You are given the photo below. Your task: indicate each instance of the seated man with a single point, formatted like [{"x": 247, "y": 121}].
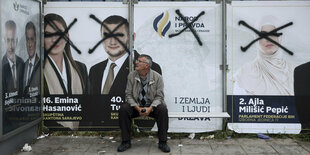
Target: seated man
[{"x": 144, "y": 97}]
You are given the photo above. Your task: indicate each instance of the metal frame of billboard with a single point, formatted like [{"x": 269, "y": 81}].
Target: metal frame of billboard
[{"x": 37, "y": 121}]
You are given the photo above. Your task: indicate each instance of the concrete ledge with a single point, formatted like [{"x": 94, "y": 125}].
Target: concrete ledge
[{"x": 211, "y": 115}]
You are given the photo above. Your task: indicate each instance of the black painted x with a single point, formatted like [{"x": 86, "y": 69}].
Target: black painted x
[
  {"x": 188, "y": 25},
  {"x": 109, "y": 34},
  {"x": 264, "y": 35},
  {"x": 62, "y": 35}
]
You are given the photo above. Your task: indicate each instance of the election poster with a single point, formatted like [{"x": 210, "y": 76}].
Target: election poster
[
  {"x": 20, "y": 49},
  {"x": 188, "y": 62},
  {"x": 185, "y": 40},
  {"x": 73, "y": 32},
  {"x": 266, "y": 44}
]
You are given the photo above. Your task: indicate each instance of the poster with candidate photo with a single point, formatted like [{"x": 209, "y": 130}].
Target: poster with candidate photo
[
  {"x": 266, "y": 41},
  {"x": 189, "y": 65},
  {"x": 21, "y": 69},
  {"x": 189, "y": 58},
  {"x": 73, "y": 32}
]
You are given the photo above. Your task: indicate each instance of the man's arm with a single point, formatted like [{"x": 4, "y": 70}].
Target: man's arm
[
  {"x": 129, "y": 91},
  {"x": 159, "y": 96}
]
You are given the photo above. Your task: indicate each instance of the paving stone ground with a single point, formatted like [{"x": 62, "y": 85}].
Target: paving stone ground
[{"x": 86, "y": 145}]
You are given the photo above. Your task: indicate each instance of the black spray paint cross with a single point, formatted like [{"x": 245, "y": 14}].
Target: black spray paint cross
[
  {"x": 188, "y": 25},
  {"x": 264, "y": 35},
  {"x": 62, "y": 35},
  {"x": 109, "y": 34}
]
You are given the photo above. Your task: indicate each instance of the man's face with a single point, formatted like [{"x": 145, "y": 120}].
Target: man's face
[
  {"x": 11, "y": 42},
  {"x": 267, "y": 46},
  {"x": 111, "y": 45},
  {"x": 31, "y": 42},
  {"x": 141, "y": 64}
]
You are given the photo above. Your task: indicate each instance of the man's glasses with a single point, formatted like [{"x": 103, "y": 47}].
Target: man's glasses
[{"x": 141, "y": 61}]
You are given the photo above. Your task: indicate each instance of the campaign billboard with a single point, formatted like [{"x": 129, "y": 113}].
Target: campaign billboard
[
  {"x": 185, "y": 39},
  {"x": 265, "y": 43},
  {"x": 21, "y": 63},
  {"x": 189, "y": 62}
]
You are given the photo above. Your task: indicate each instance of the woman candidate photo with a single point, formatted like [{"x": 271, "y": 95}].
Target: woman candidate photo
[
  {"x": 269, "y": 73},
  {"x": 62, "y": 74}
]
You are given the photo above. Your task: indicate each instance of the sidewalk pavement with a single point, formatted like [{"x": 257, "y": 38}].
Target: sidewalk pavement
[{"x": 86, "y": 145}]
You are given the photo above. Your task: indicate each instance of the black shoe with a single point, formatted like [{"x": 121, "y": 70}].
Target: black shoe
[
  {"x": 164, "y": 147},
  {"x": 124, "y": 146}
]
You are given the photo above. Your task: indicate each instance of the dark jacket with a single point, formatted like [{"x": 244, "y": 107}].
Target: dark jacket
[
  {"x": 8, "y": 87},
  {"x": 302, "y": 93},
  {"x": 7, "y": 79},
  {"x": 35, "y": 77}
]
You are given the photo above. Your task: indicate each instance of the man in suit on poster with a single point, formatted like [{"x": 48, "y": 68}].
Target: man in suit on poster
[
  {"x": 12, "y": 65},
  {"x": 31, "y": 81},
  {"x": 302, "y": 93},
  {"x": 12, "y": 75},
  {"x": 110, "y": 76},
  {"x": 102, "y": 82}
]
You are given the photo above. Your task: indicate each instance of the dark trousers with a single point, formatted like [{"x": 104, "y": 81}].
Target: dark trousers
[{"x": 160, "y": 113}]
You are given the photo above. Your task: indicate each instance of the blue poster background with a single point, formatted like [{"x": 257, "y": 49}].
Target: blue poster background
[{"x": 261, "y": 109}]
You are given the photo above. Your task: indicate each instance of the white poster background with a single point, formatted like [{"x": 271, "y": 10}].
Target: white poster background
[
  {"x": 189, "y": 70},
  {"x": 295, "y": 38},
  {"x": 21, "y": 12}
]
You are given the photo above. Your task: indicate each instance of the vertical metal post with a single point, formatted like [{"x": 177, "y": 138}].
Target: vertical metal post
[
  {"x": 42, "y": 56},
  {"x": 224, "y": 60},
  {"x": 1, "y": 55},
  {"x": 131, "y": 32}
]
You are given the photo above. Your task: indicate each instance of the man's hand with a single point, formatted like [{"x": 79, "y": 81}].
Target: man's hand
[
  {"x": 139, "y": 110},
  {"x": 148, "y": 110}
]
